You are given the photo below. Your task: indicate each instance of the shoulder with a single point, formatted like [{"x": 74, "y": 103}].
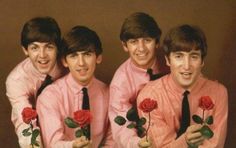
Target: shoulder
[
  {"x": 121, "y": 70},
  {"x": 214, "y": 85},
  {"x": 100, "y": 85},
  {"x": 21, "y": 71}
]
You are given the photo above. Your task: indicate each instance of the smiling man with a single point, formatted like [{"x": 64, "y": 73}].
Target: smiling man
[
  {"x": 178, "y": 95},
  {"x": 140, "y": 36},
  {"x": 40, "y": 39},
  {"x": 82, "y": 51}
]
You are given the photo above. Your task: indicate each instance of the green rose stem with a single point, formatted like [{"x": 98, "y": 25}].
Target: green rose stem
[
  {"x": 31, "y": 128},
  {"x": 149, "y": 122},
  {"x": 203, "y": 116}
]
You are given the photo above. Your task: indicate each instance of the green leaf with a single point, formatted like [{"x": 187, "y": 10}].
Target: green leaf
[
  {"x": 197, "y": 119},
  {"x": 131, "y": 125},
  {"x": 207, "y": 132},
  {"x": 26, "y": 132},
  {"x": 120, "y": 120},
  {"x": 132, "y": 114},
  {"x": 209, "y": 120},
  {"x": 86, "y": 132},
  {"x": 71, "y": 123},
  {"x": 34, "y": 136},
  {"x": 37, "y": 143},
  {"x": 141, "y": 121},
  {"x": 79, "y": 133},
  {"x": 141, "y": 131}
]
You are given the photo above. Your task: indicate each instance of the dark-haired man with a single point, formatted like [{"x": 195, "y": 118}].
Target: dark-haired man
[{"x": 40, "y": 40}]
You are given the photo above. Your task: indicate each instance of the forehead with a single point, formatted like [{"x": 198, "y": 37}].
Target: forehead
[
  {"x": 41, "y": 43},
  {"x": 191, "y": 52}
]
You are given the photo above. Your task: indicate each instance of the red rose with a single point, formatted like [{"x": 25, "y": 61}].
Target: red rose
[
  {"x": 147, "y": 105},
  {"x": 82, "y": 117},
  {"x": 28, "y": 114},
  {"x": 206, "y": 103}
]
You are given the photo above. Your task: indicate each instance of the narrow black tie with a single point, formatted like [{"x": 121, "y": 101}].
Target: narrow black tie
[
  {"x": 154, "y": 76},
  {"x": 48, "y": 80},
  {"x": 185, "y": 122},
  {"x": 85, "y": 99},
  {"x": 85, "y": 105}
]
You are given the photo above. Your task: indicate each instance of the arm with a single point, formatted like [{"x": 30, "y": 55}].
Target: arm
[
  {"x": 19, "y": 96},
  {"x": 162, "y": 131},
  {"x": 119, "y": 105},
  {"x": 52, "y": 126}
]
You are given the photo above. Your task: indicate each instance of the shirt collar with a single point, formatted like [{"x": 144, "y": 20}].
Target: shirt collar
[
  {"x": 137, "y": 69},
  {"x": 76, "y": 87},
  {"x": 176, "y": 88}
]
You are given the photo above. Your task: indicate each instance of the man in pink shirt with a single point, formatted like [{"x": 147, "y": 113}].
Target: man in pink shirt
[
  {"x": 140, "y": 37},
  {"x": 40, "y": 39},
  {"x": 82, "y": 50},
  {"x": 172, "y": 125}
]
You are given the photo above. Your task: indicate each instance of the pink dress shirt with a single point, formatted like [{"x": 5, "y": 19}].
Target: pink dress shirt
[
  {"x": 165, "y": 120},
  {"x": 21, "y": 88},
  {"x": 124, "y": 88},
  {"x": 60, "y": 100}
]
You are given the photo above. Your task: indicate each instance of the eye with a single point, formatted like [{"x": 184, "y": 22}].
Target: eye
[
  {"x": 132, "y": 41},
  {"x": 51, "y": 47},
  {"x": 178, "y": 56},
  {"x": 148, "y": 40},
  {"x": 88, "y": 54},
  {"x": 73, "y": 55},
  {"x": 33, "y": 48},
  {"x": 195, "y": 56}
]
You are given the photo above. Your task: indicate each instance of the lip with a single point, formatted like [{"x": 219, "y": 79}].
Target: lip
[
  {"x": 186, "y": 75},
  {"x": 82, "y": 71}
]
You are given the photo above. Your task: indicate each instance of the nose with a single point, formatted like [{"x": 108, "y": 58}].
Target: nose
[
  {"x": 80, "y": 61},
  {"x": 42, "y": 53},
  {"x": 187, "y": 63},
  {"x": 141, "y": 45}
]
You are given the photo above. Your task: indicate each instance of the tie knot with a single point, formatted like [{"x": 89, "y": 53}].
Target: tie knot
[
  {"x": 186, "y": 93},
  {"x": 149, "y": 71},
  {"x": 48, "y": 78},
  {"x": 84, "y": 89}
]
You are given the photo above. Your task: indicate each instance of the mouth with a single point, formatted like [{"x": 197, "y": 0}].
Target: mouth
[
  {"x": 82, "y": 71},
  {"x": 43, "y": 63},
  {"x": 142, "y": 55},
  {"x": 186, "y": 75}
]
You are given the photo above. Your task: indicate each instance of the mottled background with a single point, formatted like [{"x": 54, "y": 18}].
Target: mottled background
[{"x": 216, "y": 17}]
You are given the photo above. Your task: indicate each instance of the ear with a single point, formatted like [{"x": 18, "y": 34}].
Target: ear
[
  {"x": 99, "y": 59},
  {"x": 63, "y": 61},
  {"x": 167, "y": 61},
  {"x": 203, "y": 63},
  {"x": 25, "y": 51},
  {"x": 124, "y": 46}
]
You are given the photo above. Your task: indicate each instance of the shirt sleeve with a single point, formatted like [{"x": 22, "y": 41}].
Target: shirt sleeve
[
  {"x": 119, "y": 105},
  {"x": 52, "y": 126},
  {"x": 220, "y": 116},
  {"x": 160, "y": 132},
  {"x": 19, "y": 96}
]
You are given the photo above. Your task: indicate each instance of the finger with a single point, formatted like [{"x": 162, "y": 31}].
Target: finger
[
  {"x": 198, "y": 141},
  {"x": 191, "y": 136},
  {"x": 194, "y": 128}
]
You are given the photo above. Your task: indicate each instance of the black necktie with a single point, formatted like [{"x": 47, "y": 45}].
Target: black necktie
[
  {"x": 85, "y": 105},
  {"x": 85, "y": 99},
  {"x": 185, "y": 122},
  {"x": 48, "y": 80},
  {"x": 154, "y": 76}
]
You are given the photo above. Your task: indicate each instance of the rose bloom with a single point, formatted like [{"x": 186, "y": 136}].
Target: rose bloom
[
  {"x": 28, "y": 114},
  {"x": 206, "y": 103},
  {"x": 82, "y": 117},
  {"x": 147, "y": 105}
]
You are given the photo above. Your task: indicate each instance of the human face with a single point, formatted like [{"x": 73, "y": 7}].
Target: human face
[
  {"x": 43, "y": 55},
  {"x": 185, "y": 67},
  {"x": 82, "y": 65},
  {"x": 142, "y": 51}
]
